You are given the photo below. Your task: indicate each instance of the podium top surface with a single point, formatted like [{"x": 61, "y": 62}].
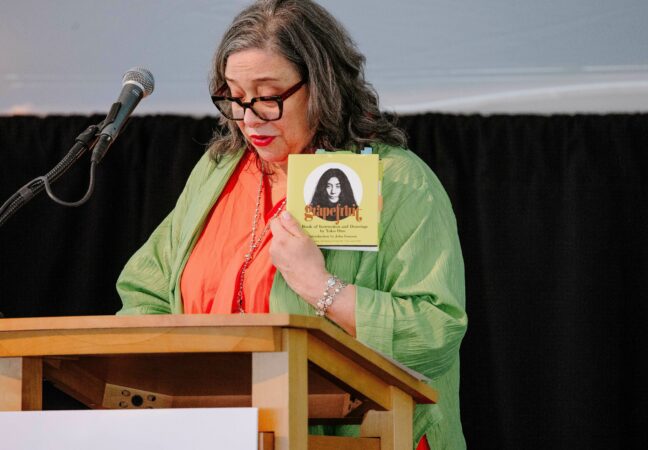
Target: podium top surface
[
  {"x": 156, "y": 334},
  {"x": 157, "y": 321}
]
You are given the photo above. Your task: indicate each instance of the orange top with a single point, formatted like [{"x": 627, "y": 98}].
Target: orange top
[{"x": 210, "y": 280}]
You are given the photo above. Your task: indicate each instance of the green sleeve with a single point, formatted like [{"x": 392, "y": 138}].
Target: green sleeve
[
  {"x": 145, "y": 284},
  {"x": 416, "y": 314}
]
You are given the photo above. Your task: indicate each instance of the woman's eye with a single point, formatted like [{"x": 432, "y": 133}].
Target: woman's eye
[
  {"x": 233, "y": 92},
  {"x": 269, "y": 91}
]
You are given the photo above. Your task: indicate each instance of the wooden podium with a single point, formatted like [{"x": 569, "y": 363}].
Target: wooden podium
[{"x": 296, "y": 370}]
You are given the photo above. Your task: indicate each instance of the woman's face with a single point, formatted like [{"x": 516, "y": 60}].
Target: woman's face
[
  {"x": 255, "y": 73},
  {"x": 333, "y": 189}
]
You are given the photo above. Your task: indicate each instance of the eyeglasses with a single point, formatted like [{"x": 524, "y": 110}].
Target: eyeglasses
[{"x": 266, "y": 108}]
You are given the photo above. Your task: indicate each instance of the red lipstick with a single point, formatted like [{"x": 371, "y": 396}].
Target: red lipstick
[{"x": 261, "y": 141}]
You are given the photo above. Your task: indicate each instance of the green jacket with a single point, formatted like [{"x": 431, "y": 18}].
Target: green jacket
[{"x": 410, "y": 297}]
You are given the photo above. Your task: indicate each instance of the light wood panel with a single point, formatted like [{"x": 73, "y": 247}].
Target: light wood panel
[
  {"x": 137, "y": 341},
  {"x": 21, "y": 384},
  {"x": 82, "y": 354},
  {"x": 342, "y": 443},
  {"x": 93, "y": 335},
  {"x": 348, "y": 371},
  {"x": 32, "y": 384},
  {"x": 394, "y": 427},
  {"x": 279, "y": 390},
  {"x": 144, "y": 321},
  {"x": 266, "y": 440},
  {"x": 11, "y": 384}
]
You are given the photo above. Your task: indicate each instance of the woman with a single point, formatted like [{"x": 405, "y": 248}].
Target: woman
[
  {"x": 288, "y": 79},
  {"x": 333, "y": 189}
]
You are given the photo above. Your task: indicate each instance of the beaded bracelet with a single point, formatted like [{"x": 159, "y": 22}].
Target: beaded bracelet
[{"x": 333, "y": 287}]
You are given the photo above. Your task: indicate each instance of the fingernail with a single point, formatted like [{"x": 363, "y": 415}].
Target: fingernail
[{"x": 285, "y": 215}]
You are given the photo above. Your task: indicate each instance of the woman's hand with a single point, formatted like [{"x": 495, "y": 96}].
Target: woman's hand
[
  {"x": 297, "y": 257},
  {"x": 301, "y": 263}
]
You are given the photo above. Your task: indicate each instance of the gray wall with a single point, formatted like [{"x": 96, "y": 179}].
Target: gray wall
[{"x": 545, "y": 56}]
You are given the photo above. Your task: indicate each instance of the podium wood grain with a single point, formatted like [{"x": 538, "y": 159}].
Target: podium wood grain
[{"x": 270, "y": 361}]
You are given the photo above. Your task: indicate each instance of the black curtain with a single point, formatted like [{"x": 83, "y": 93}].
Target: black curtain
[{"x": 552, "y": 217}]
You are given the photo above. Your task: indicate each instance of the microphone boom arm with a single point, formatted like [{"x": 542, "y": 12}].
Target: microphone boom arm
[
  {"x": 137, "y": 83},
  {"x": 83, "y": 143}
]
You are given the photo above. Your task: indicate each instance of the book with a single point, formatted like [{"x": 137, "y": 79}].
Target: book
[{"x": 335, "y": 196}]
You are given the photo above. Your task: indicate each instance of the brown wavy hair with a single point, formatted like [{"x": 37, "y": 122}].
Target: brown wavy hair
[{"x": 342, "y": 106}]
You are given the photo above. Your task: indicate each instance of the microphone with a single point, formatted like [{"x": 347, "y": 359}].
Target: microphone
[{"x": 137, "y": 83}]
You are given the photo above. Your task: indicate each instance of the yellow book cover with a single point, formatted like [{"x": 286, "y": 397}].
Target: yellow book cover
[{"x": 335, "y": 197}]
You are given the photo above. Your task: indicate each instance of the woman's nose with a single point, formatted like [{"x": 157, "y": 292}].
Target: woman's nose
[{"x": 250, "y": 119}]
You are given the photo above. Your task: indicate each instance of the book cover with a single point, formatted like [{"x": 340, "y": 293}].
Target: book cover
[{"x": 336, "y": 198}]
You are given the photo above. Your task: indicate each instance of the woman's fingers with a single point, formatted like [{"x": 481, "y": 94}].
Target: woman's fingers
[{"x": 290, "y": 224}]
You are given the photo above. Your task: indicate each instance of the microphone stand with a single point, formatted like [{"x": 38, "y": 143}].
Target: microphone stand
[{"x": 83, "y": 142}]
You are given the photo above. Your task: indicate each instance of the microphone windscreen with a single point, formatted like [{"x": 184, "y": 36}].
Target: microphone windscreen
[{"x": 141, "y": 76}]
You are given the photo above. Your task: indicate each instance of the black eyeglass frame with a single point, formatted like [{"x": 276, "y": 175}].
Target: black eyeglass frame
[{"x": 245, "y": 105}]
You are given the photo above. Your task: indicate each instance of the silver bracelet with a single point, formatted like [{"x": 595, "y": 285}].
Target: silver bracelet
[{"x": 333, "y": 287}]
